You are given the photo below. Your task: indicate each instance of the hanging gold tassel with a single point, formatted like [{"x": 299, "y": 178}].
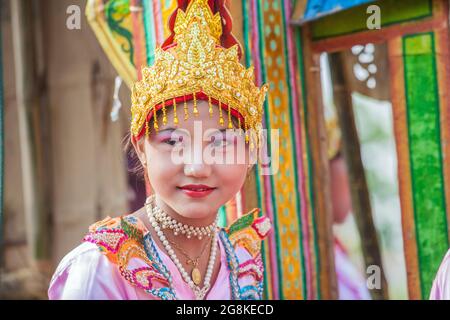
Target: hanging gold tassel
[
  {"x": 164, "y": 112},
  {"x": 239, "y": 126},
  {"x": 259, "y": 138},
  {"x": 252, "y": 138},
  {"x": 246, "y": 132},
  {"x": 155, "y": 119},
  {"x": 147, "y": 129},
  {"x": 230, "y": 124},
  {"x": 186, "y": 115},
  {"x": 210, "y": 107},
  {"x": 195, "y": 106},
  {"x": 220, "y": 114},
  {"x": 175, "y": 116}
]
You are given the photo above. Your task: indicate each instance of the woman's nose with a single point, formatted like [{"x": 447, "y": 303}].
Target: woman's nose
[
  {"x": 195, "y": 165},
  {"x": 197, "y": 170}
]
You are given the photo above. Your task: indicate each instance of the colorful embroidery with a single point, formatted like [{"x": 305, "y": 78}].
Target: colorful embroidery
[
  {"x": 121, "y": 240},
  {"x": 125, "y": 238},
  {"x": 248, "y": 231},
  {"x": 262, "y": 226},
  {"x": 108, "y": 240},
  {"x": 252, "y": 267},
  {"x": 252, "y": 292},
  {"x": 167, "y": 293},
  {"x": 232, "y": 262}
]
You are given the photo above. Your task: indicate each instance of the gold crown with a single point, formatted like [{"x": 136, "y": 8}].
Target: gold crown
[{"x": 197, "y": 67}]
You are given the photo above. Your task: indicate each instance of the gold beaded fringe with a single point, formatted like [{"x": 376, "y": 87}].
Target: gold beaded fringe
[
  {"x": 155, "y": 119},
  {"x": 195, "y": 106},
  {"x": 220, "y": 114},
  {"x": 248, "y": 137},
  {"x": 175, "y": 116},
  {"x": 186, "y": 115},
  {"x": 230, "y": 125},
  {"x": 210, "y": 107},
  {"x": 164, "y": 112}
]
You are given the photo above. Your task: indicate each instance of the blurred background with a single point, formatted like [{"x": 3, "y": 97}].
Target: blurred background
[{"x": 64, "y": 156}]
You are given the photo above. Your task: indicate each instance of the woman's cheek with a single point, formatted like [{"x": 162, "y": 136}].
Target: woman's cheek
[
  {"x": 160, "y": 171},
  {"x": 232, "y": 177}
]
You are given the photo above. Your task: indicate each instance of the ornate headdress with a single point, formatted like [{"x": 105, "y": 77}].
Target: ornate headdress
[{"x": 196, "y": 67}]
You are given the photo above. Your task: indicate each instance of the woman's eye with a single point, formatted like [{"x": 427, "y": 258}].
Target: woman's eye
[
  {"x": 220, "y": 142},
  {"x": 172, "y": 141}
]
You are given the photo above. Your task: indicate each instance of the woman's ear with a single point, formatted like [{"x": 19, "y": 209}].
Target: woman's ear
[{"x": 140, "y": 150}]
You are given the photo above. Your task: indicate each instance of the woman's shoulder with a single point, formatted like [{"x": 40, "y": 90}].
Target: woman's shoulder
[
  {"x": 111, "y": 263},
  {"x": 248, "y": 231},
  {"x": 83, "y": 273},
  {"x": 441, "y": 284},
  {"x": 245, "y": 236},
  {"x": 82, "y": 253},
  {"x": 111, "y": 234}
]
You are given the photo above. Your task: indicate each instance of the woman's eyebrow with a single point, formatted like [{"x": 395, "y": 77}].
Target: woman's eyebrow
[
  {"x": 214, "y": 131},
  {"x": 220, "y": 131},
  {"x": 166, "y": 129}
]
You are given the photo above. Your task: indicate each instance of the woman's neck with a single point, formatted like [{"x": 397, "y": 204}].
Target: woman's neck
[
  {"x": 191, "y": 245},
  {"x": 195, "y": 222}
]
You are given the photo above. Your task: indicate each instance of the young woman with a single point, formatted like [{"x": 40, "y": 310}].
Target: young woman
[{"x": 196, "y": 120}]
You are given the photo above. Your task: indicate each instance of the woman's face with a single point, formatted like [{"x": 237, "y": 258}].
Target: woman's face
[{"x": 196, "y": 167}]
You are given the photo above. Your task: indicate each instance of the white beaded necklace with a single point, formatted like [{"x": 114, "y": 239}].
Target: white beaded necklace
[
  {"x": 198, "y": 292},
  {"x": 167, "y": 221}
]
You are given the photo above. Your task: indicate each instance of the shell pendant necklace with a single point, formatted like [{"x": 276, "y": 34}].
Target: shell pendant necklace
[{"x": 195, "y": 273}]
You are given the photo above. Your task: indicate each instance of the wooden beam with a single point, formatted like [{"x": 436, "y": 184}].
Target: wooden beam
[
  {"x": 321, "y": 189},
  {"x": 358, "y": 185},
  {"x": 343, "y": 42}
]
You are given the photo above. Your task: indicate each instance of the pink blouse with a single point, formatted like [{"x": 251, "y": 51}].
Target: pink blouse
[
  {"x": 87, "y": 273},
  {"x": 441, "y": 284},
  {"x": 351, "y": 284}
]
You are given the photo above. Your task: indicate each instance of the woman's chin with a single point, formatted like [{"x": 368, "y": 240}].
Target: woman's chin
[{"x": 196, "y": 211}]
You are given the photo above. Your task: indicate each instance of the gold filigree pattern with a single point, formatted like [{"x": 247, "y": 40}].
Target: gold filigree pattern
[{"x": 197, "y": 66}]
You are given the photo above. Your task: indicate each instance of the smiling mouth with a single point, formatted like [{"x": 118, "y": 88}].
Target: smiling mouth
[
  {"x": 197, "y": 191},
  {"x": 196, "y": 188}
]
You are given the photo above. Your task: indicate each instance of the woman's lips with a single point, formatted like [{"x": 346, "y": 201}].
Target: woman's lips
[{"x": 196, "y": 190}]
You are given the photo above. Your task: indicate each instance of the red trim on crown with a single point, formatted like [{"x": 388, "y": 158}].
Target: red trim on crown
[{"x": 227, "y": 39}]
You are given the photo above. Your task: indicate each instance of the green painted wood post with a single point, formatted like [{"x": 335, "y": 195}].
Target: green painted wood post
[{"x": 423, "y": 117}]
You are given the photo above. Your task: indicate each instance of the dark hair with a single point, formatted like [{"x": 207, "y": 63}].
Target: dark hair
[{"x": 134, "y": 164}]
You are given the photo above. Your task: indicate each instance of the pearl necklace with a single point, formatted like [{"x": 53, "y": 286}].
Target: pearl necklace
[
  {"x": 198, "y": 292},
  {"x": 167, "y": 221}
]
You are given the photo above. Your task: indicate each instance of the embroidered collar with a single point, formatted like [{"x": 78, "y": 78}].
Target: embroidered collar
[{"x": 124, "y": 238}]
